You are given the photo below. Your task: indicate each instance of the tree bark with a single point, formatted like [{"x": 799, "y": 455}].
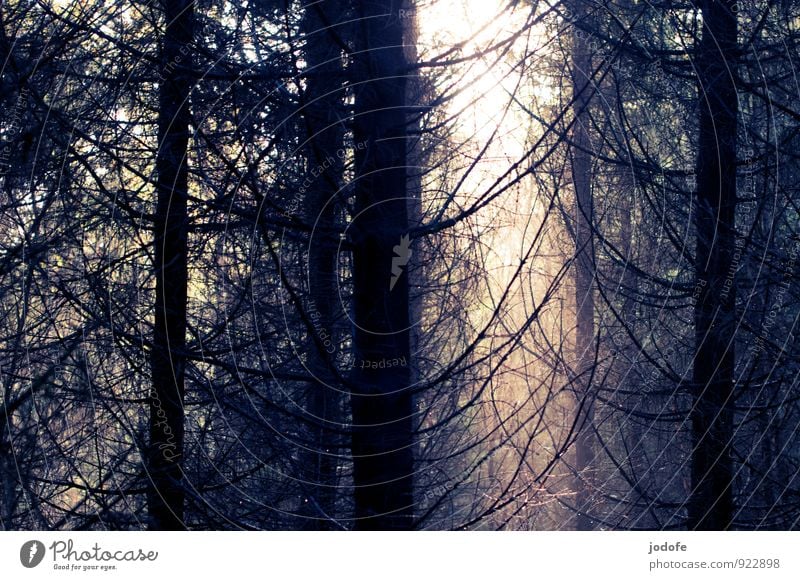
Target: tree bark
[
  {"x": 322, "y": 106},
  {"x": 381, "y": 402},
  {"x": 584, "y": 271},
  {"x": 168, "y": 360},
  {"x": 710, "y": 505}
]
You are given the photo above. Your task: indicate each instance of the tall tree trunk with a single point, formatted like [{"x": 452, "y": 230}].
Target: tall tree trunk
[
  {"x": 415, "y": 95},
  {"x": 168, "y": 360},
  {"x": 381, "y": 401},
  {"x": 322, "y": 109},
  {"x": 710, "y": 504},
  {"x": 584, "y": 270}
]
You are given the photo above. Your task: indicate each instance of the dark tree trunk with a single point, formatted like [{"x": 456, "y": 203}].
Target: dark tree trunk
[
  {"x": 168, "y": 360},
  {"x": 415, "y": 157},
  {"x": 322, "y": 114},
  {"x": 584, "y": 273},
  {"x": 711, "y": 504},
  {"x": 381, "y": 401}
]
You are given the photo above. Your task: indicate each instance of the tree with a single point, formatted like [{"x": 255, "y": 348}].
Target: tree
[
  {"x": 711, "y": 501},
  {"x": 383, "y": 463},
  {"x": 323, "y": 113},
  {"x": 165, "y": 453},
  {"x": 581, "y": 157}
]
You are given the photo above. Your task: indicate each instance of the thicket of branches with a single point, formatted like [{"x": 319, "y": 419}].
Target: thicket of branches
[{"x": 309, "y": 265}]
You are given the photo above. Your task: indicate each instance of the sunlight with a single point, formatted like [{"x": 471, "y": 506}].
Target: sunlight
[{"x": 482, "y": 95}]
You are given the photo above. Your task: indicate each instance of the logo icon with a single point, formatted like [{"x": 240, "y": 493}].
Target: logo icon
[
  {"x": 31, "y": 553},
  {"x": 402, "y": 256}
]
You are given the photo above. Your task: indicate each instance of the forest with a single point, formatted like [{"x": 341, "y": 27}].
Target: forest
[{"x": 399, "y": 265}]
